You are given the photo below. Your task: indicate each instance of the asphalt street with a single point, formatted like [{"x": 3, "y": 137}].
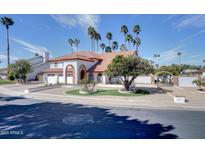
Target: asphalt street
[{"x": 28, "y": 118}]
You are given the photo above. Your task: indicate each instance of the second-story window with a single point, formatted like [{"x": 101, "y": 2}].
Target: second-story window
[{"x": 56, "y": 64}]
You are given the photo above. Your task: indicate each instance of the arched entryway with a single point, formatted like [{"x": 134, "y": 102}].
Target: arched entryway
[
  {"x": 70, "y": 74},
  {"x": 82, "y": 72},
  {"x": 82, "y": 75},
  {"x": 164, "y": 78}
]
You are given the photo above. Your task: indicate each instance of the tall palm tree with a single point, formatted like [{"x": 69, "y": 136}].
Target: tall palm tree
[
  {"x": 124, "y": 30},
  {"x": 114, "y": 45},
  {"x": 77, "y": 42},
  {"x": 7, "y": 22},
  {"x": 109, "y": 37},
  {"x": 137, "y": 43},
  {"x": 123, "y": 47},
  {"x": 136, "y": 29},
  {"x": 91, "y": 34},
  {"x": 97, "y": 37},
  {"x": 157, "y": 56},
  {"x": 179, "y": 54},
  {"x": 129, "y": 39},
  {"x": 204, "y": 61},
  {"x": 102, "y": 45},
  {"x": 71, "y": 42}
]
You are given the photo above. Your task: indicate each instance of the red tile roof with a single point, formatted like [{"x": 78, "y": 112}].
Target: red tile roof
[
  {"x": 82, "y": 55},
  {"x": 104, "y": 59},
  {"x": 107, "y": 58},
  {"x": 53, "y": 70}
]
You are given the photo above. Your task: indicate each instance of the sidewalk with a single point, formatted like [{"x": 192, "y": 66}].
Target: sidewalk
[{"x": 153, "y": 101}]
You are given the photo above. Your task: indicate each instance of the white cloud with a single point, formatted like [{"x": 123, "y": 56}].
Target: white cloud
[
  {"x": 30, "y": 47},
  {"x": 170, "y": 17},
  {"x": 84, "y": 20},
  {"x": 193, "y": 35},
  {"x": 4, "y": 57},
  {"x": 170, "y": 56},
  {"x": 191, "y": 21}
]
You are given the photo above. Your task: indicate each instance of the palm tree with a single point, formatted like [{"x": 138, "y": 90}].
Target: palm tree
[
  {"x": 136, "y": 29},
  {"x": 204, "y": 61},
  {"x": 102, "y": 45},
  {"x": 129, "y": 39},
  {"x": 97, "y": 37},
  {"x": 109, "y": 37},
  {"x": 124, "y": 30},
  {"x": 114, "y": 45},
  {"x": 91, "y": 34},
  {"x": 137, "y": 43},
  {"x": 71, "y": 42},
  {"x": 179, "y": 54},
  {"x": 6, "y": 21},
  {"x": 123, "y": 47},
  {"x": 77, "y": 42},
  {"x": 156, "y": 56}
]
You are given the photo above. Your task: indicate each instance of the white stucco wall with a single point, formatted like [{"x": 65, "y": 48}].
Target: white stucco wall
[
  {"x": 56, "y": 65},
  {"x": 203, "y": 74},
  {"x": 65, "y": 64},
  {"x": 143, "y": 80},
  {"x": 187, "y": 81}
]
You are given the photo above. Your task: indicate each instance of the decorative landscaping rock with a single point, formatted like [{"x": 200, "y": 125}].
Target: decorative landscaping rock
[
  {"x": 84, "y": 92},
  {"x": 124, "y": 91}
]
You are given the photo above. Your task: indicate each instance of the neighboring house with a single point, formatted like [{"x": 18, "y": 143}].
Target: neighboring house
[
  {"x": 192, "y": 72},
  {"x": 74, "y": 67},
  {"x": 203, "y": 72},
  {"x": 38, "y": 64},
  {"x": 3, "y": 73}
]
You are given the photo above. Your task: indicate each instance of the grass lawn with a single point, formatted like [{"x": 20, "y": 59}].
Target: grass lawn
[
  {"x": 101, "y": 92},
  {"x": 5, "y": 82}
]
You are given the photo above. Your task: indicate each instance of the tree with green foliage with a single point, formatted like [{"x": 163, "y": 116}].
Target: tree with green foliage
[
  {"x": 128, "y": 69},
  {"x": 77, "y": 42},
  {"x": 123, "y": 47},
  {"x": 91, "y": 34},
  {"x": 129, "y": 39},
  {"x": 109, "y": 37},
  {"x": 136, "y": 29},
  {"x": 173, "y": 69},
  {"x": 71, "y": 42},
  {"x": 97, "y": 37},
  {"x": 200, "y": 83},
  {"x": 124, "y": 30},
  {"x": 114, "y": 45},
  {"x": 102, "y": 46},
  {"x": 19, "y": 70},
  {"x": 136, "y": 42},
  {"x": 179, "y": 55}
]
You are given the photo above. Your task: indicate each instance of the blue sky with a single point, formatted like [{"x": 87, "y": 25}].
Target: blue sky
[{"x": 161, "y": 34}]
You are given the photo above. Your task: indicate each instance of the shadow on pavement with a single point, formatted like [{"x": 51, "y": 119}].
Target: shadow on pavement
[
  {"x": 10, "y": 98},
  {"x": 57, "y": 120}
]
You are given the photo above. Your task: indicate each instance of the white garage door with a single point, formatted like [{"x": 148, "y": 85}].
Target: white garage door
[
  {"x": 52, "y": 79},
  {"x": 70, "y": 80},
  {"x": 60, "y": 79}
]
